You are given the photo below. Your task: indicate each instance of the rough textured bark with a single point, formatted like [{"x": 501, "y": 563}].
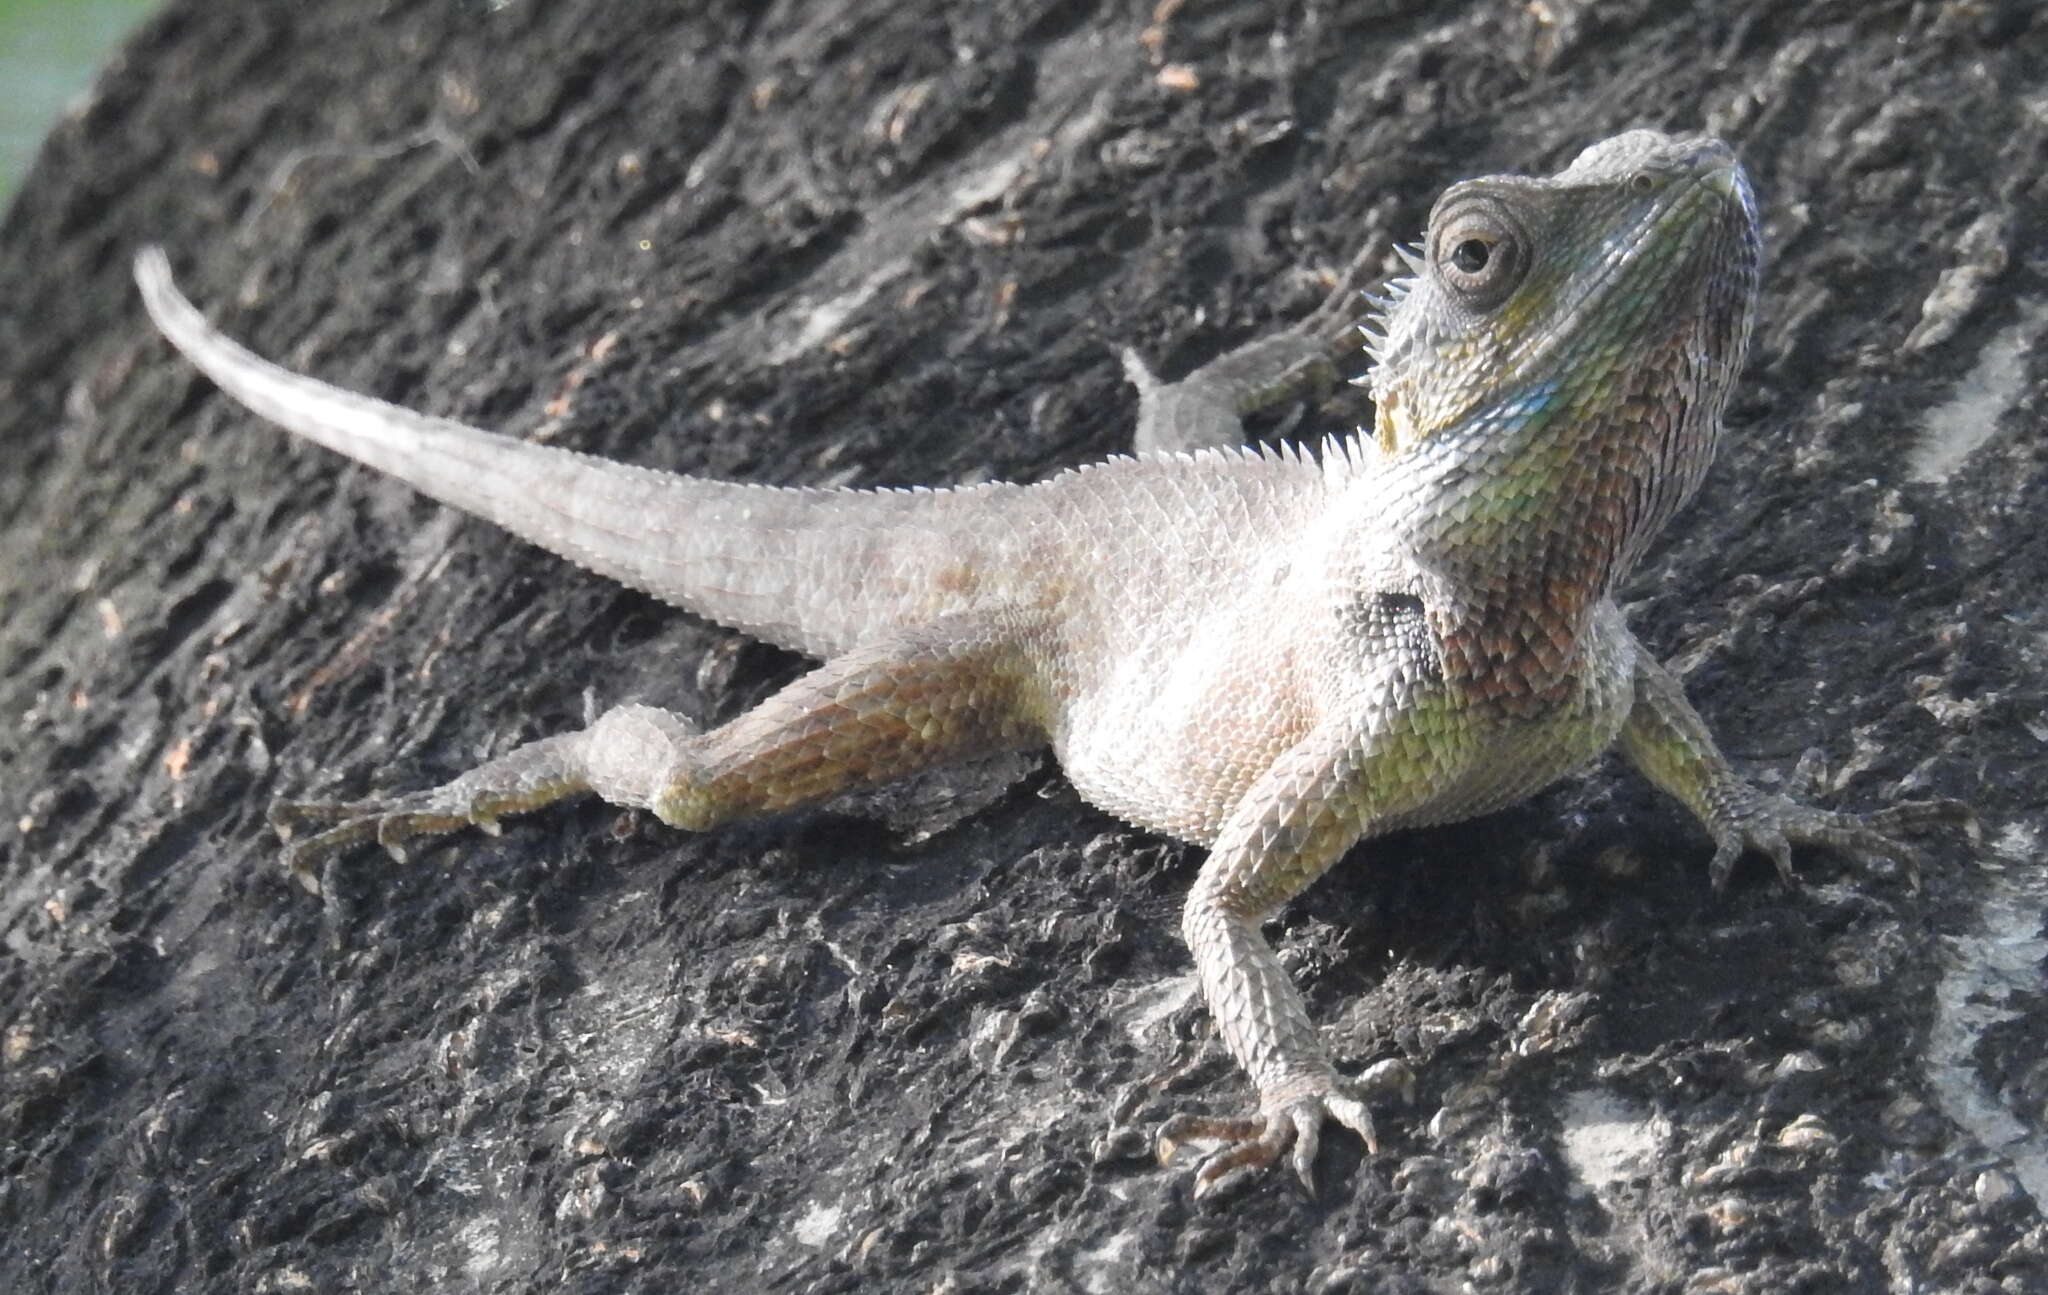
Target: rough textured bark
[{"x": 879, "y": 1048}]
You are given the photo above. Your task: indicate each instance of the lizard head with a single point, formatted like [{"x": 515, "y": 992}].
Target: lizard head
[{"x": 1624, "y": 285}]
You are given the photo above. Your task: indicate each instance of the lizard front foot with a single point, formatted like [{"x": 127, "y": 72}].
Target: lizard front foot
[
  {"x": 1773, "y": 824},
  {"x": 1290, "y": 1120}
]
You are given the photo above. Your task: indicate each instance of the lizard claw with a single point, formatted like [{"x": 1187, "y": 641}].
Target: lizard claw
[
  {"x": 1774, "y": 824},
  {"x": 1291, "y": 1126}
]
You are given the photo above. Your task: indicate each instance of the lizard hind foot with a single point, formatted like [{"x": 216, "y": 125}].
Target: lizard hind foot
[
  {"x": 525, "y": 778},
  {"x": 316, "y": 832}
]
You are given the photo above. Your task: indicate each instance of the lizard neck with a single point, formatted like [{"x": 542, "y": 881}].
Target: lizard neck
[{"x": 1556, "y": 491}]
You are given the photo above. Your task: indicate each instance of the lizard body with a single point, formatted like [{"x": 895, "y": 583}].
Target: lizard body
[{"x": 1267, "y": 652}]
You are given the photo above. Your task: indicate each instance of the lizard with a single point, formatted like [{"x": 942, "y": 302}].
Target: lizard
[{"x": 1275, "y": 653}]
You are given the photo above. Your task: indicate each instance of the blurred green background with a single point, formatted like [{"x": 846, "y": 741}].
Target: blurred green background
[{"x": 49, "y": 50}]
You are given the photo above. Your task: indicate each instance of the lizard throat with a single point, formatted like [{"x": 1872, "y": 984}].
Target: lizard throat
[{"x": 1569, "y": 490}]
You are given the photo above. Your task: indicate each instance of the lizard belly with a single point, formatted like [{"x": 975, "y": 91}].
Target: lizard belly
[{"x": 1175, "y": 736}]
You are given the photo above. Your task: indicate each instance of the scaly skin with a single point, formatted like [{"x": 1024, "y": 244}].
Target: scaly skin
[{"x": 1270, "y": 654}]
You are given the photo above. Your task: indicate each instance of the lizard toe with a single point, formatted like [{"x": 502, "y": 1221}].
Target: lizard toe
[
  {"x": 1354, "y": 1115},
  {"x": 1913, "y": 817},
  {"x": 1183, "y": 1129},
  {"x": 1249, "y": 1143},
  {"x": 303, "y": 855},
  {"x": 1237, "y": 1163},
  {"x": 288, "y": 817},
  {"x": 300, "y": 867},
  {"x": 1308, "y": 1140}
]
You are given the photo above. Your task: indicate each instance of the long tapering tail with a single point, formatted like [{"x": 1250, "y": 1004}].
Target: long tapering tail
[{"x": 815, "y": 570}]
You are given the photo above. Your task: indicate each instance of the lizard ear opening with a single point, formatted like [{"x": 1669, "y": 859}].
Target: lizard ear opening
[{"x": 1479, "y": 251}]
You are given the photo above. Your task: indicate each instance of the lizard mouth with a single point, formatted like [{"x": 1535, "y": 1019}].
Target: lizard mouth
[{"x": 1668, "y": 263}]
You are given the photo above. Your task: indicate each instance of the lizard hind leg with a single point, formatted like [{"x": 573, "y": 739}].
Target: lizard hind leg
[
  {"x": 960, "y": 688},
  {"x": 953, "y": 690},
  {"x": 1205, "y": 409}
]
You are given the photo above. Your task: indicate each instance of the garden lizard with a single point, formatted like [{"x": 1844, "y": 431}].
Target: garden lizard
[{"x": 1273, "y": 653}]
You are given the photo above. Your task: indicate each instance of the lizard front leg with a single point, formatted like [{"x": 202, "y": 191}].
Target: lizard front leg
[
  {"x": 1667, "y": 740},
  {"x": 952, "y": 691},
  {"x": 1298, "y": 820}
]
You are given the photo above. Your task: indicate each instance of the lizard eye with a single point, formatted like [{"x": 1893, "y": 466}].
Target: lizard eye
[{"x": 1479, "y": 251}]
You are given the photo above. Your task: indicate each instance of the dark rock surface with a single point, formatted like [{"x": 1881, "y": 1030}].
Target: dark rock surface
[{"x": 890, "y": 244}]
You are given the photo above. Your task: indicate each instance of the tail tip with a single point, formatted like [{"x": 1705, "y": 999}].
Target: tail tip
[{"x": 152, "y": 268}]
